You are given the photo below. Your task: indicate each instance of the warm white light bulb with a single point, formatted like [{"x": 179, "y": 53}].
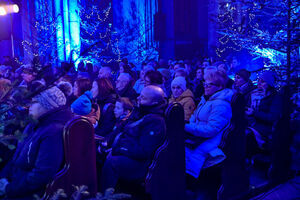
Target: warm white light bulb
[
  {"x": 2, "y": 11},
  {"x": 15, "y": 8}
]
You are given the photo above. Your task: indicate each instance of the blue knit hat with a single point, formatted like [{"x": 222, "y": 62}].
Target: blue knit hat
[{"x": 82, "y": 105}]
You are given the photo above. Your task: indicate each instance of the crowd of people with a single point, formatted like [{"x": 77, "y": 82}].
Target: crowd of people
[{"x": 126, "y": 108}]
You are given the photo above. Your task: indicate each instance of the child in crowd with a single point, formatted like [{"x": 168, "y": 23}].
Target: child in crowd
[{"x": 83, "y": 106}]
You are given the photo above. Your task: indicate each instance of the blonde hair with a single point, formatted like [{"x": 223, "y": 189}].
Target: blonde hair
[{"x": 217, "y": 77}]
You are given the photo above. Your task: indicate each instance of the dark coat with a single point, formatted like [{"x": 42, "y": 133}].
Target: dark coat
[
  {"x": 142, "y": 137},
  {"x": 107, "y": 118},
  {"x": 128, "y": 92},
  {"x": 39, "y": 157},
  {"x": 268, "y": 113}
]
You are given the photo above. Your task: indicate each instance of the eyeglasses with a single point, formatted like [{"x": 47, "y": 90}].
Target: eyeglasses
[{"x": 209, "y": 84}]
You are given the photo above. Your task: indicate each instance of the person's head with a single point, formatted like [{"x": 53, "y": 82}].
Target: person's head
[
  {"x": 153, "y": 78},
  {"x": 5, "y": 86},
  {"x": 145, "y": 70},
  {"x": 83, "y": 104},
  {"x": 123, "y": 81},
  {"x": 199, "y": 73},
  {"x": 81, "y": 85},
  {"x": 242, "y": 77},
  {"x": 166, "y": 74},
  {"x": 123, "y": 107},
  {"x": 102, "y": 87},
  {"x": 104, "y": 72},
  {"x": 178, "y": 66},
  {"x": 266, "y": 81},
  {"x": 125, "y": 69},
  {"x": 46, "y": 101},
  {"x": 28, "y": 73},
  {"x": 214, "y": 82},
  {"x": 222, "y": 67},
  {"x": 180, "y": 72},
  {"x": 205, "y": 64},
  {"x": 65, "y": 87},
  {"x": 151, "y": 95},
  {"x": 178, "y": 86},
  {"x": 234, "y": 63}
]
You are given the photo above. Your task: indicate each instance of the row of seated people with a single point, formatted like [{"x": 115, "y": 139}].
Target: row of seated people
[{"x": 141, "y": 136}]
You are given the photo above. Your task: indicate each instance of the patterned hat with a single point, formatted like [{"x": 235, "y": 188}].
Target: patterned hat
[{"x": 51, "y": 98}]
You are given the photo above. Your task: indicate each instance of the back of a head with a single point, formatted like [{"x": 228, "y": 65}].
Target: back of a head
[
  {"x": 180, "y": 72},
  {"x": 124, "y": 77},
  {"x": 65, "y": 87},
  {"x": 105, "y": 72},
  {"x": 83, "y": 84},
  {"x": 155, "y": 93},
  {"x": 155, "y": 77},
  {"x": 105, "y": 87}
]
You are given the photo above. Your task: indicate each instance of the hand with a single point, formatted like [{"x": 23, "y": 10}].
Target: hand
[
  {"x": 249, "y": 111},
  {"x": 3, "y": 183}
]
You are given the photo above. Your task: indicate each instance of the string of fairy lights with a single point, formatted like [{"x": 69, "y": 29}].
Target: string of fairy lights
[
  {"x": 260, "y": 28},
  {"x": 93, "y": 22}
]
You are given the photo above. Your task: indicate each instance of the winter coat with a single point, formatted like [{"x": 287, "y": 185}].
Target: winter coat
[
  {"x": 186, "y": 99},
  {"x": 39, "y": 157},
  {"x": 107, "y": 118},
  {"x": 268, "y": 113},
  {"x": 140, "y": 138},
  {"x": 128, "y": 92},
  {"x": 246, "y": 90},
  {"x": 198, "y": 89},
  {"x": 209, "y": 121}
]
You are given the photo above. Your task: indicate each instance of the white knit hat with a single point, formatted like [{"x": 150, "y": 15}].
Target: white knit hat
[{"x": 180, "y": 81}]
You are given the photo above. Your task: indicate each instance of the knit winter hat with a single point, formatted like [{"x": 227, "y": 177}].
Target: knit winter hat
[
  {"x": 180, "y": 81},
  {"x": 83, "y": 105},
  {"x": 245, "y": 74},
  {"x": 268, "y": 77},
  {"x": 51, "y": 98}
]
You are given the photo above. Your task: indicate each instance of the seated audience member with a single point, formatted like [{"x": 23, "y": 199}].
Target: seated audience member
[
  {"x": 139, "y": 84},
  {"x": 124, "y": 87},
  {"x": 104, "y": 94},
  {"x": 182, "y": 72},
  {"x": 85, "y": 107},
  {"x": 5, "y": 86},
  {"x": 122, "y": 112},
  {"x": 28, "y": 75},
  {"x": 81, "y": 85},
  {"x": 243, "y": 85},
  {"x": 207, "y": 124},
  {"x": 105, "y": 72},
  {"x": 197, "y": 83},
  {"x": 155, "y": 78},
  {"x": 223, "y": 67},
  {"x": 39, "y": 157},
  {"x": 265, "y": 111},
  {"x": 67, "y": 89},
  {"x": 183, "y": 96},
  {"x": 127, "y": 69},
  {"x": 166, "y": 74},
  {"x": 133, "y": 150}
]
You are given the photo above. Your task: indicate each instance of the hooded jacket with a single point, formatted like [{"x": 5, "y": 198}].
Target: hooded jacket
[
  {"x": 186, "y": 99},
  {"x": 209, "y": 121}
]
